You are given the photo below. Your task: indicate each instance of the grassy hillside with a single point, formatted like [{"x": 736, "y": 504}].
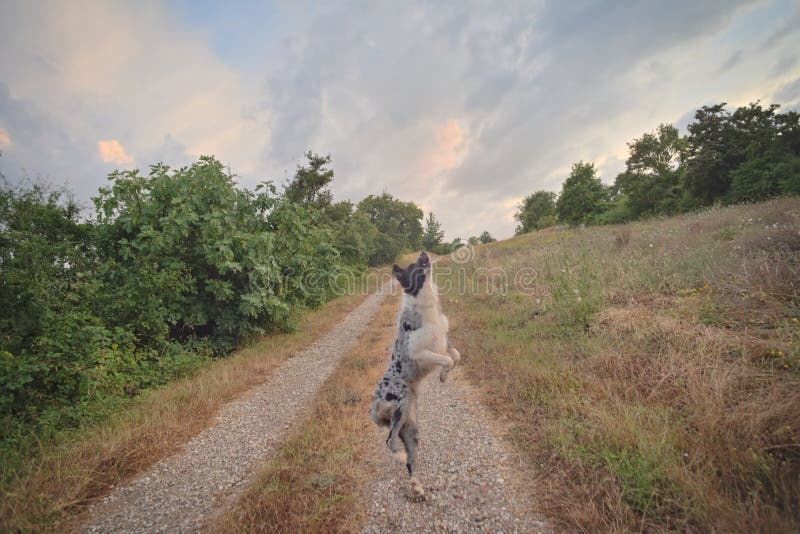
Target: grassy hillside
[{"x": 650, "y": 371}]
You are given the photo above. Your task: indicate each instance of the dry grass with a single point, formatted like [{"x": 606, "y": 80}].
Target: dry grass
[
  {"x": 316, "y": 480},
  {"x": 651, "y": 370},
  {"x": 60, "y": 480}
]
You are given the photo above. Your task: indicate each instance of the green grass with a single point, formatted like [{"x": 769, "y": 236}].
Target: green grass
[{"x": 649, "y": 369}]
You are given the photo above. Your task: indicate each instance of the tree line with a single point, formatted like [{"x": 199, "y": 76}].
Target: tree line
[
  {"x": 174, "y": 267},
  {"x": 728, "y": 156},
  {"x": 375, "y": 230}
]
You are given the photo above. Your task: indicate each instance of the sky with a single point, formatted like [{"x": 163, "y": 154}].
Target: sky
[{"x": 462, "y": 107}]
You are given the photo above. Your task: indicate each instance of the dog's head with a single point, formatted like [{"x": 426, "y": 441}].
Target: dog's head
[{"x": 413, "y": 277}]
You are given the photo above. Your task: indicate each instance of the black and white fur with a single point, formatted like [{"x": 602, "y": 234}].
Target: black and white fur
[{"x": 420, "y": 347}]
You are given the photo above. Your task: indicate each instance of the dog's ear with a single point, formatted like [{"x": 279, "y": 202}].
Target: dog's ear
[{"x": 398, "y": 271}]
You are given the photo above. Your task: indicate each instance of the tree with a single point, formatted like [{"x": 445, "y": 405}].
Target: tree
[
  {"x": 309, "y": 185},
  {"x": 173, "y": 265},
  {"x": 708, "y": 152},
  {"x": 536, "y": 211},
  {"x": 399, "y": 225},
  {"x": 652, "y": 181},
  {"x": 228, "y": 262},
  {"x": 473, "y": 240},
  {"x": 356, "y": 239},
  {"x": 720, "y": 141},
  {"x": 765, "y": 177},
  {"x": 583, "y": 196},
  {"x": 433, "y": 234},
  {"x": 486, "y": 237},
  {"x": 772, "y": 165},
  {"x": 339, "y": 212}
]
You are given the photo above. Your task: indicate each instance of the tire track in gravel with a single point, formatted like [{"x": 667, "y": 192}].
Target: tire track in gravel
[
  {"x": 467, "y": 472},
  {"x": 178, "y": 493}
]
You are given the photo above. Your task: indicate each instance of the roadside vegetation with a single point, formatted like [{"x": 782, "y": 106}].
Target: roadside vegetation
[
  {"x": 174, "y": 270},
  {"x": 651, "y": 370},
  {"x": 59, "y": 478}
]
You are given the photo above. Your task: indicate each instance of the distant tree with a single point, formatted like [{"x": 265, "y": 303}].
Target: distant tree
[
  {"x": 720, "y": 141},
  {"x": 536, "y": 211},
  {"x": 486, "y": 237},
  {"x": 708, "y": 161},
  {"x": 772, "y": 159},
  {"x": 433, "y": 234},
  {"x": 399, "y": 225},
  {"x": 309, "y": 185},
  {"x": 356, "y": 239},
  {"x": 583, "y": 196},
  {"x": 473, "y": 240},
  {"x": 338, "y": 212},
  {"x": 456, "y": 244},
  {"x": 652, "y": 180},
  {"x": 765, "y": 177}
]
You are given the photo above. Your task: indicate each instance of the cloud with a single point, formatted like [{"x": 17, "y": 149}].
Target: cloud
[
  {"x": 5, "y": 139},
  {"x": 789, "y": 93},
  {"x": 787, "y": 29},
  {"x": 447, "y": 150},
  {"x": 111, "y": 151},
  {"x": 128, "y": 68},
  {"x": 464, "y": 108},
  {"x": 531, "y": 87},
  {"x": 44, "y": 146},
  {"x": 731, "y": 62}
]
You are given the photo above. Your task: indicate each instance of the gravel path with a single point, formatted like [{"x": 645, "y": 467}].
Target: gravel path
[
  {"x": 178, "y": 493},
  {"x": 466, "y": 472}
]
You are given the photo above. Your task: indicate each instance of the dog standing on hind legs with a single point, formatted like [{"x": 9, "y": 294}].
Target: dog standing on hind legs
[{"x": 420, "y": 347}]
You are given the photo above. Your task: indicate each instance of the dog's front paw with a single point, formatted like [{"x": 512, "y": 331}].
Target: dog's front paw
[{"x": 455, "y": 355}]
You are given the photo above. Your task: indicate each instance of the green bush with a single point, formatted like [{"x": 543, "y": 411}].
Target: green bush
[
  {"x": 222, "y": 262},
  {"x": 176, "y": 266},
  {"x": 765, "y": 177}
]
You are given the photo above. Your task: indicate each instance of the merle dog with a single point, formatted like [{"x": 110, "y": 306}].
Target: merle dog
[{"x": 420, "y": 347}]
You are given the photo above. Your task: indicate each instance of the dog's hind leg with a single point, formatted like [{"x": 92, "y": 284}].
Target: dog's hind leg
[
  {"x": 408, "y": 434},
  {"x": 399, "y": 418}
]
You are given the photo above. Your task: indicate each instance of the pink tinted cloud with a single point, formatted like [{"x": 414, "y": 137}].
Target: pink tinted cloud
[
  {"x": 448, "y": 150},
  {"x": 5, "y": 139},
  {"x": 111, "y": 151}
]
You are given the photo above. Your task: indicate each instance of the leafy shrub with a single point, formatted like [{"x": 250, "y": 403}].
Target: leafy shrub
[
  {"x": 177, "y": 265},
  {"x": 226, "y": 262},
  {"x": 763, "y": 178}
]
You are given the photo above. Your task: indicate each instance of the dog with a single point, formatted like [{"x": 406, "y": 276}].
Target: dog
[{"x": 421, "y": 346}]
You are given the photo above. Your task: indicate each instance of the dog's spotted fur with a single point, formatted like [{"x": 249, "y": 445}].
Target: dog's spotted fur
[{"x": 420, "y": 347}]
